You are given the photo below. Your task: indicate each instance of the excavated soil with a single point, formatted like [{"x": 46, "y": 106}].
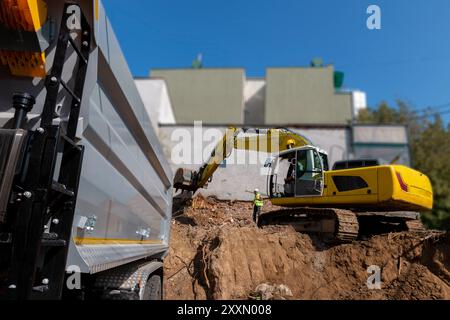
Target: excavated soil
[{"x": 217, "y": 252}]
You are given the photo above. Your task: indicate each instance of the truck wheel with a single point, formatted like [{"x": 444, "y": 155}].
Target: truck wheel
[{"x": 153, "y": 290}]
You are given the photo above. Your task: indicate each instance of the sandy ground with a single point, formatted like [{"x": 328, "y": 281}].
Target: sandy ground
[{"x": 216, "y": 252}]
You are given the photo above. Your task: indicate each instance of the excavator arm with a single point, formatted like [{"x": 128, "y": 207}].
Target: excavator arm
[{"x": 260, "y": 140}]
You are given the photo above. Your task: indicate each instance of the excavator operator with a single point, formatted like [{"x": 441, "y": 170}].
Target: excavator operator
[
  {"x": 296, "y": 170},
  {"x": 296, "y": 181}
]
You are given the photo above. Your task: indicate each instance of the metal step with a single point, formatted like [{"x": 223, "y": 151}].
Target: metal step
[
  {"x": 52, "y": 240},
  {"x": 58, "y": 187},
  {"x": 54, "y": 243}
]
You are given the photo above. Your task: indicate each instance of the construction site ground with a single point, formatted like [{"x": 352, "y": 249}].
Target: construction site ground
[{"x": 217, "y": 252}]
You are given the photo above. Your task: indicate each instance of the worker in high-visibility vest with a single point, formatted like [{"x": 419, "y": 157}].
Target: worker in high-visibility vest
[{"x": 257, "y": 205}]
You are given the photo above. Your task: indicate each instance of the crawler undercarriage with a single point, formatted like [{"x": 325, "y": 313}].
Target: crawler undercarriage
[{"x": 342, "y": 225}]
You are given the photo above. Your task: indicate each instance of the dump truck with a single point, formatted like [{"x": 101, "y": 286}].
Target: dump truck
[
  {"x": 85, "y": 189},
  {"x": 354, "y": 199}
]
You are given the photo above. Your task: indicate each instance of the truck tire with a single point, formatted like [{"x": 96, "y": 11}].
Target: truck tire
[{"x": 153, "y": 289}]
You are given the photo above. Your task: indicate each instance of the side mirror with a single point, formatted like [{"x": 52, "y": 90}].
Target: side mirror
[
  {"x": 318, "y": 186},
  {"x": 268, "y": 162}
]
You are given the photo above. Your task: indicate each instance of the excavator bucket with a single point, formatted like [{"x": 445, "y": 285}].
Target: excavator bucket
[{"x": 184, "y": 180}]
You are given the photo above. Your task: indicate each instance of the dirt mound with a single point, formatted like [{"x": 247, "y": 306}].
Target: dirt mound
[{"x": 218, "y": 253}]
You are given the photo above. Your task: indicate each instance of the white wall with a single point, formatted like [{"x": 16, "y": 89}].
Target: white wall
[
  {"x": 359, "y": 101},
  {"x": 254, "y": 101},
  {"x": 156, "y": 99}
]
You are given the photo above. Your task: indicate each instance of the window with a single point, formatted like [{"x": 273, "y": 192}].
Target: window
[{"x": 347, "y": 183}]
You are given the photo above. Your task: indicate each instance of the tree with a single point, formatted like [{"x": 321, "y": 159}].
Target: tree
[{"x": 430, "y": 151}]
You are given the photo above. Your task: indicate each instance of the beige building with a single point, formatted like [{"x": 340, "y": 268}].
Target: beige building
[
  {"x": 306, "y": 96},
  {"x": 214, "y": 96},
  {"x": 284, "y": 96}
]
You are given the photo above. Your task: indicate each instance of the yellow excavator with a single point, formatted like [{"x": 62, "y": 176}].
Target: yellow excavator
[{"x": 356, "y": 198}]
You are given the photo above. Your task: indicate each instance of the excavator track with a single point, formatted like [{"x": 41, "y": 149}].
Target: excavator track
[
  {"x": 347, "y": 226},
  {"x": 343, "y": 225},
  {"x": 415, "y": 225},
  {"x": 335, "y": 224}
]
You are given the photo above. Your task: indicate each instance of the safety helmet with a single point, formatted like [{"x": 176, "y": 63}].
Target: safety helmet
[{"x": 256, "y": 190}]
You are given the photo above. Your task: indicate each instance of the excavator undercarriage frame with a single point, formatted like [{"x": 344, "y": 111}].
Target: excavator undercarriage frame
[{"x": 342, "y": 225}]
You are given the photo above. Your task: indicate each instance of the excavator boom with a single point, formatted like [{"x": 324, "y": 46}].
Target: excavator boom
[{"x": 260, "y": 140}]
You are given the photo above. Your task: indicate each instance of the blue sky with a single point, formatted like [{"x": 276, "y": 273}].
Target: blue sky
[{"x": 409, "y": 58}]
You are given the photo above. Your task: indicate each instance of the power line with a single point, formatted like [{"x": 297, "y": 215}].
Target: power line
[
  {"x": 431, "y": 114},
  {"x": 397, "y": 62},
  {"x": 431, "y": 108}
]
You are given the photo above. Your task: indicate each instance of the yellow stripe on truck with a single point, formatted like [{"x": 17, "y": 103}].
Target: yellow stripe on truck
[
  {"x": 96, "y": 9},
  {"x": 103, "y": 241}
]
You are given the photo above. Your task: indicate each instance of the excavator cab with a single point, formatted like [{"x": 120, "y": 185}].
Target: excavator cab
[{"x": 297, "y": 172}]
